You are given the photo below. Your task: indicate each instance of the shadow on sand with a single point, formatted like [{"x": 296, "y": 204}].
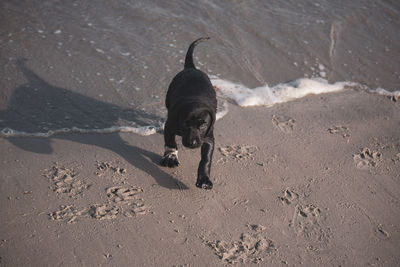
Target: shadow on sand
[{"x": 39, "y": 107}]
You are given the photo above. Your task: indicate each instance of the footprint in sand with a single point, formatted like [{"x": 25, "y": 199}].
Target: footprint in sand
[
  {"x": 64, "y": 181},
  {"x": 367, "y": 158},
  {"x": 238, "y": 152},
  {"x": 285, "y": 124},
  {"x": 251, "y": 247},
  {"x": 121, "y": 200},
  {"x": 340, "y": 130},
  {"x": 135, "y": 209},
  {"x": 307, "y": 223},
  {"x": 104, "y": 211},
  {"x": 67, "y": 213},
  {"x": 103, "y": 167},
  {"x": 309, "y": 211},
  {"x": 123, "y": 194},
  {"x": 288, "y": 196}
]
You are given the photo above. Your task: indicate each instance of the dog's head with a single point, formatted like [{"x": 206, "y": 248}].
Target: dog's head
[{"x": 195, "y": 123}]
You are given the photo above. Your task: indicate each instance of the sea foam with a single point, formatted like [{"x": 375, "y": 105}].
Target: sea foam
[
  {"x": 144, "y": 131},
  {"x": 283, "y": 92},
  {"x": 381, "y": 91}
]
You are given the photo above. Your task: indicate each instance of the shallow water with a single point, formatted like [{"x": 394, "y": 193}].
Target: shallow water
[{"x": 104, "y": 66}]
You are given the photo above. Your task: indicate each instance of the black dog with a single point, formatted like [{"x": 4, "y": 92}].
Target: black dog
[{"x": 191, "y": 102}]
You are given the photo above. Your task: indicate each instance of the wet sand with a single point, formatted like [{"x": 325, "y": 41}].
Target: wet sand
[{"x": 308, "y": 184}]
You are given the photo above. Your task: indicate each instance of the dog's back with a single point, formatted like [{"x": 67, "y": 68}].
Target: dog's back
[
  {"x": 191, "y": 83},
  {"x": 192, "y": 103}
]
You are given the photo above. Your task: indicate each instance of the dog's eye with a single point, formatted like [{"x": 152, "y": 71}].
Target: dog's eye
[{"x": 200, "y": 121}]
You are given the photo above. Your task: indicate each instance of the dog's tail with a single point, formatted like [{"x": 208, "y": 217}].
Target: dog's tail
[{"x": 189, "y": 54}]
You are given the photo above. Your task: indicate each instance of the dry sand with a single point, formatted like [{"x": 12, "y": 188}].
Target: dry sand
[{"x": 313, "y": 182}]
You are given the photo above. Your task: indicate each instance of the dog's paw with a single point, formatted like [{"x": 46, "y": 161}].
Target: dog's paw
[
  {"x": 170, "y": 158},
  {"x": 170, "y": 161},
  {"x": 204, "y": 182}
]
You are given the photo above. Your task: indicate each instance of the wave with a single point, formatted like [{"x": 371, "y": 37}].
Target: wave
[
  {"x": 227, "y": 91},
  {"x": 283, "y": 92}
]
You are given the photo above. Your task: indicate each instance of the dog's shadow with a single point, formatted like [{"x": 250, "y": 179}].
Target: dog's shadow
[{"x": 38, "y": 107}]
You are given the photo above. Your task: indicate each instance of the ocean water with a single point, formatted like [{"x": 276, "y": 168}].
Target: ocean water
[{"x": 104, "y": 66}]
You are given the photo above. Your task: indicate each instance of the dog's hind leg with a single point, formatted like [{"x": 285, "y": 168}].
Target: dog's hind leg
[
  {"x": 203, "y": 173},
  {"x": 170, "y": 157}
]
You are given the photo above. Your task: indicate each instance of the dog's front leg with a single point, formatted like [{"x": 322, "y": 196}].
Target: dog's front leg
[
  {"x": 170, "y": 158},
  {"x": 203, "y": 173}
]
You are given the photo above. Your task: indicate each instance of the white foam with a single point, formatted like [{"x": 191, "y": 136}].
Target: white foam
[
  {"x": 222, "y": 111},
  {"x": 283, "y": 92},
  {"x": 381, "y": 91},
  {"x": 144, "y": 131}
]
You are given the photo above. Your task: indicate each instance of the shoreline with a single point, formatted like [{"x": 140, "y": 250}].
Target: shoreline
[{"x": 263, "y": 96}]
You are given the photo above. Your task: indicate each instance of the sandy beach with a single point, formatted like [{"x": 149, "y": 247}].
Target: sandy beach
[
  {"x": 302, "y": 177},
  {"x": 308, "y": 185}
]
